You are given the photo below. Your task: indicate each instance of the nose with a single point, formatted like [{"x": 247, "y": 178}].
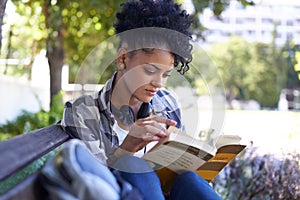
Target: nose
[{"x": 158, "y": 82}]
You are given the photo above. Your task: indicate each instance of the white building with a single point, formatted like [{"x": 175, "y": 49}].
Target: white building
[{"x": 255, "y": 23}]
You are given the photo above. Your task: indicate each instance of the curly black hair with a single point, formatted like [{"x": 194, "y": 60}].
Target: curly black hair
[{"x": 169, "y": 25}]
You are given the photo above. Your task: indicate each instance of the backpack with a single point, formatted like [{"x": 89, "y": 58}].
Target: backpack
[{"x": 74, "y": 173}]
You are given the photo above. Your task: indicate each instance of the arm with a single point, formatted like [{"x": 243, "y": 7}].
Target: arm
[
  {"x": 81, "y": 120},
  {"x": 152, "y": 128}
]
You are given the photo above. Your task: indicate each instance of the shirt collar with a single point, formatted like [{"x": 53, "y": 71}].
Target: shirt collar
[{"x": 105, "y": 93}]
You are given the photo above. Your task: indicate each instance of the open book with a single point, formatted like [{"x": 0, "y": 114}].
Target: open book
[{"x": 180, "y": 152}]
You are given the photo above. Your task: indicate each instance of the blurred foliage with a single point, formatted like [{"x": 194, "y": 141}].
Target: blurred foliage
[
  {"x": 85, "y": 24},
  {"x": 251, "y": 70},
  {"x": 297, "y": 63},
  {"x": 23, "y": 40},
  {"x": 29, "y": 121},
  {"x": 204, "y": 75},
  {"x": 254, "y": 176},
  {"x": 70, "y": 30}
]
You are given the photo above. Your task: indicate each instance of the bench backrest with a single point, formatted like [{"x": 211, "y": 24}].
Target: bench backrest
[{"x": 19, "y": 151}]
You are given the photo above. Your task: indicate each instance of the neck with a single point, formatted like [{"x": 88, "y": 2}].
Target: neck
[{"x": 122, "y": 96}]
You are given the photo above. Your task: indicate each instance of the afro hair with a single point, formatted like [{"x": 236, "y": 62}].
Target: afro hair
[{"x": 169, "y": 24}]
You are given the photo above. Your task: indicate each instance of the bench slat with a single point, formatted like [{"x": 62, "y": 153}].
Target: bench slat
[
  {"x": 28, "y": 189},
  {"x": 21, "y": 150}
]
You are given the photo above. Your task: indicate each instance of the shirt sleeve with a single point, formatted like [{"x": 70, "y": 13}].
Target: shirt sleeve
[
  {"x": 172, "y": 106},
  {"x": 81, "y": 120}
]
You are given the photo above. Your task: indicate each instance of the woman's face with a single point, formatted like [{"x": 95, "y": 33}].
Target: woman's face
[{"x": 146, "y": 72}]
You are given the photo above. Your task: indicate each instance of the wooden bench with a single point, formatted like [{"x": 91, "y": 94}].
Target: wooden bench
[{"x": 19, "y": 151}]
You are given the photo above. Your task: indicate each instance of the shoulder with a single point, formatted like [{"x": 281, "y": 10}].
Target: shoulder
[
  {"x": 85, "y": 106},
  {"x": 86, "y": 99},
  {"x": 167, "y": 95}
]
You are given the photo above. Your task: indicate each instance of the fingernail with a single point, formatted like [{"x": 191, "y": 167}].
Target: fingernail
[
  {"x": 156, "y": 138},
  {"x": 164, "y": 133}
]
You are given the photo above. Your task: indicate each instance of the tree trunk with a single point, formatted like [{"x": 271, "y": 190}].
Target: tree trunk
[
  {"x": 2, "y": 12},
  {"x": 55, "y": 50},
  {"x": 56, "y": 62}
]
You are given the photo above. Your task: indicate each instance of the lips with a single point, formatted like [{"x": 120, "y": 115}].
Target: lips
[{"x": 151, "y": 92}]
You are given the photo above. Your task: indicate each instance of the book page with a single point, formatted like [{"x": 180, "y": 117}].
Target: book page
[
  {"x": 177, "y": 157},
  {"x": 181, "y": 152},
  {"x": 227, "y": 139},
  {"x": 176, "y": 135}
]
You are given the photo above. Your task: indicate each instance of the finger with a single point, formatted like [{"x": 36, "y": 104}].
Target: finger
[
  {"x": 166, "y": 121},
  {"x": 157, "y": 131},
  {"x": 149, "y": 137}
]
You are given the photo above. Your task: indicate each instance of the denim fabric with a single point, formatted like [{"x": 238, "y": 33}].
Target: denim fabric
[
  {"x": 191, "y": 186},
  {"x": 75, "y": 174},
  {"x": 139, "y": 173}
]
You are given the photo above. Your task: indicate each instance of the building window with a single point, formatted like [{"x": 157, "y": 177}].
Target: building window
[
  {"x": 278, "y": 35},
  {"x": 250, "y": 32},
  {"x": 266, "y": 34},
  {"x": 225, "y": 20},
  {"x": 250, "y": 20},
  {"x": 267, "y": 20},
  {"x": 289, "y": 35},
  {"x": 289, "y": 23},
  {"x": 239, "y": 21}
]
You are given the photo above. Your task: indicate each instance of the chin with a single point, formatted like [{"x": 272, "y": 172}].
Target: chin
[{"x": 146, "y": 99}]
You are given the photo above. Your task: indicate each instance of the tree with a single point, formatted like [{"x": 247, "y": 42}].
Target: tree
[
  {"x": 251, "y": 70},
  {"x": 73, "y": 29},
  {"x": 266, "y": 68},
  {"x": 2, "y": 12},
  {"x": 54, "y": 44},
  {"x": 69, "y": 27},
  {"x": 22, "y": 39},
  {"x": 232, "y": 59},
  {"x": 292, "y": 54}
]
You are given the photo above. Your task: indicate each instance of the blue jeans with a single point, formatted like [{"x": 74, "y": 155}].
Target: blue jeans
[
  {"x": 188, "y": 185},
  {"x": 76, "y": 174}
]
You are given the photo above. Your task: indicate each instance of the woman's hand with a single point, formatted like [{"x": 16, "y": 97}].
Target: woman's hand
[{"x": 144, "y": 131}]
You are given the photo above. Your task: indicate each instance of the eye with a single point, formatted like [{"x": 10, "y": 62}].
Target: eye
[
  {"x": 148, "y": 71},
  {"x": 166, "y": 75}
]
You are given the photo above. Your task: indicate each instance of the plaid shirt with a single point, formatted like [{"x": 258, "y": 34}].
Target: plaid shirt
[{"x": 90, "y": 119}]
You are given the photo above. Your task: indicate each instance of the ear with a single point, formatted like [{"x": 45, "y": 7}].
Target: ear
[{"x": 121, "y": 54}]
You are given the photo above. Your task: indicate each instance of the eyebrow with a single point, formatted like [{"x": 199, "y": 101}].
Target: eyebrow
[{"x": 158, "y": 68}]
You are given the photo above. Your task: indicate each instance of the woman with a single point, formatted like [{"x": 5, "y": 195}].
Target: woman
[
  {"x": 116, "y": 121},
  {"x": 145, "y": 60}
]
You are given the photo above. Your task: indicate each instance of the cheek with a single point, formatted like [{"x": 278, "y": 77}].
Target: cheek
[{"x": 136, "y": 79}]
